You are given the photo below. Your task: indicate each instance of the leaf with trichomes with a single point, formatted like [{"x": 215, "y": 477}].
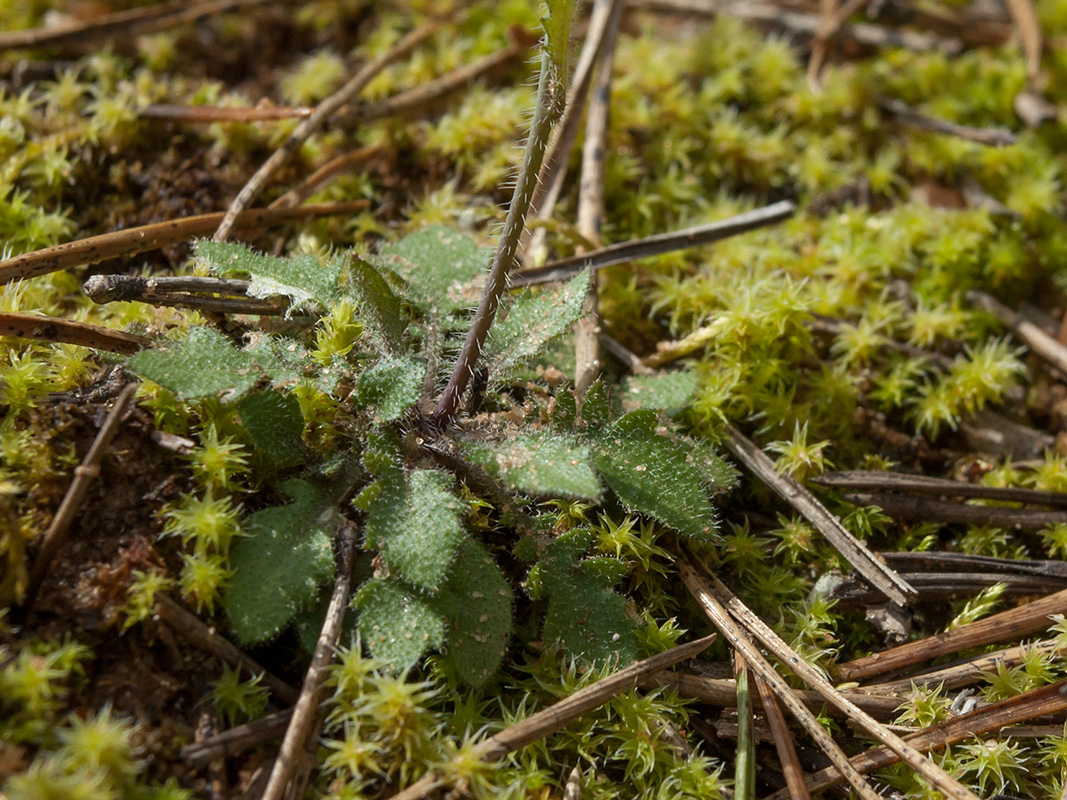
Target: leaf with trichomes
[
  {"x": 476, "y": 604},
  {"x": 584, "y": 614},
  {"x": 275, "y": 423},
  {"x": 396, "y": 622},
  {"x": 280, "y": 563},
  {"x": 379, "y": 308},
  {"x": 204, "y": 364},
  {"x": 440, "y": 266},
  {"x": 669, "y": 392},
  {"x": 653, "y": 474},
  {"x": 414, "y": 519},
  {"x": 392, "y": 386},
  {"x": 303, "y": 278},
  {"x": 533, "y": 319},
  {"x": 540, "y": 464}
]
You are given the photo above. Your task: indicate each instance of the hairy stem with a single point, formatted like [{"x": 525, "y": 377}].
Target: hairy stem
[{"x": 549, "y": 108}]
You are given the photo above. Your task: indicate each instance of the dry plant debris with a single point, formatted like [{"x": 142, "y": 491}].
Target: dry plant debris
[{"x": 377, "y": 449}]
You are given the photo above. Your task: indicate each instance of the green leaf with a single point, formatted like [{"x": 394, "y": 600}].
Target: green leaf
[
  {"x": 417, "y": 521},
  {"x": 541, "y": 464},
  {"x": 596, "y": 408},
  {"x": 656, "y": 475},
  {"x": 439, "y": 265},
  {"x": 532, "y": 320},
  {"x": 669, "y": 392},
  {"x": 204, "y": 364},
  {"x": 303, "y": 279},
  {"x": 393, "y": 385},
  {"x": 584, "y": 614},
  {"x": 276, "y": 425},
  {"x": 396, "y": 623},
  {"x": 379, "y": 308},
  {"x": 280, "y": 563},
  {"x": 476, "y": 603}
]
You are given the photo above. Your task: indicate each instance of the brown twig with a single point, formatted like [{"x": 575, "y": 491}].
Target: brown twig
[
  {"x": 783, "y": 741},
  {"x": 432, "y": 91},
  {"x": 260, "y": 113},
  {"x": 327, "y": 173},
  {"x": 132, "y": 241},
  {"x": 941, "y": 586},
  {"x": 56, "y": 329},
  {"x": 1005, "y": 626},
  {"x": 1025, "y": 16},
  {"x": 236, "y": 740},
  {"x": 84, "y": 474},
  {"x": 722, "y": 693},
  {"x": 294, "y": 745},
  {"x": 549, "y": 720},
  {"x": 997, "y": 567},
  {"x": 323, "y": 111},
  {"x": 649, "y": 246},
  {"x": 937, "y": 487},
  {"x": 128, "y": 23},
  {"x": 175, "y": 616},
  {"x": 925, "y": 509},
  {"x": 873, "y": 569},
  {"x": 1021, "y": 708},
  {"x": 832, "y": 20},
  {"x": 992, "y": 137},
  {"x": 965, "y": 673},
  {"x": 1046, "y": 347},
  {"x": 591, "y": 204},
  {"x": 711, "y": 593},
  {"x": 220, "y": 295},
  {"x": 716, "y": 612},
  {"x": 805, "y": 25}
]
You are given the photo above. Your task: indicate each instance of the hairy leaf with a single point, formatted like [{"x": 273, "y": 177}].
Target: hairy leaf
[
  {"x": 397, "y": 624},
  {"x": 541, "y": 464},
  {"x": 583, "y": 612},
  {"x": 439, "y": 265},
  {"x": 416, "y": 520},
  {"x": 280, "y": 563},
  {"x": 204, "y": 364},
  {"x": 532, "y": 320},
  {"x": 393, "y": 385},
  {"x": 379, "y": 308},
  {"x": 656, "y": 475},
  {"x": 669, "y": 392},
  {"x": 276, "y": 425},
  {"x": 476, "y": 603},
  {"x": 301, "y": 278}
]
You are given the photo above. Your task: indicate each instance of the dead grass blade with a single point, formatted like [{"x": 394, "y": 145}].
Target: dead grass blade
[
  {"x": 880, "y": 481},
  {"x": 967, "y": 672},
  {"x": 176, "y": 617},
  {"x": 868, "y": 565},
  {"x": 291, "y": 765},
  {"x": 1005, "y": 626},
  {"x": 700, "y": 589},
  {"x": 128, "y": 23},
  {"x": 722, "y": 692},
  {"x": 132, "y": 241},
  {"x": 1021, "y": 708},
  {"x": 56, "y": 329},
  {"x": 928, "y": 509},
  {"x": 323, "y": 111},
  {"x": 783, "y": 741},
  {"x": 551, "y": 719},
  {"x": 1025, "y": 16},
  {"x": 84, "y": 474},
  {"x": 1046, "y": 347},
  {"x": 237, "y": 740},
  {"x": 708, "y": 586}
]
